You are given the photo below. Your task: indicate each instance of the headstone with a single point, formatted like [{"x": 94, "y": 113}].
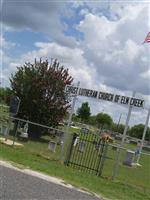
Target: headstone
[
  {"x": 4, "y": 130},
  {"x": 129, "y": 158},
  {"x": 52, "y": 146},
  {"x": 61, "y": 138},
  {"x": 82, "y": 146},
  {"x": 76, "y": 141},
  {"x": 24, "y": 132}
]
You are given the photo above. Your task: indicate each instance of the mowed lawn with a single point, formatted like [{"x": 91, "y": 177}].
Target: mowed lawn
[
  {"x": 131, "y": 183},
  {"x": 35, "y": 155}
]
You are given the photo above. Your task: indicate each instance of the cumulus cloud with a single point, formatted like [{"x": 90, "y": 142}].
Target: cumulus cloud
[
  {"x": 110, "y": 57},
  {"x": 38, "y": 16},
  {"x": 71, "y": 58},
  {"x": 4, "y": 44},
  {"x": 115, "y": 48}
]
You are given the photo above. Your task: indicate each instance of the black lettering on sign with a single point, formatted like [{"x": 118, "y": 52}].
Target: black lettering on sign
[
  {"x": 141, "y": 103},
  {"x": 88, "y": 93},
  {"x": 123, "y": 98},
  {"x": 92, "y": 93},
  {"x": 71, "y": 89},
  {"x": 127, "y": 100},
  {"x": 101, "y": 95},
  {"x": 82, "y": 92},
  {"x": 117, "y": 98},
  {"x": 105, "y": 96},
  {"x": 137, "y": 102},
  {"x": 132, "y": 101}
]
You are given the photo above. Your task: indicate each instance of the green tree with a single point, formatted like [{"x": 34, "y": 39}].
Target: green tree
[
  {"x": 40, "y": 87},
  {"x": 92, "y": 120},
  {"x": 103, "y": 119},
  {"x": 5, "y": 95},
  {"x": 118, "y": 128},
  {"x": 84, "y": 112},
  {"x": 137, "y": 131}
]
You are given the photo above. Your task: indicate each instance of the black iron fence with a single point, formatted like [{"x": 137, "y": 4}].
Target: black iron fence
[{"x": 87, "y": 152}]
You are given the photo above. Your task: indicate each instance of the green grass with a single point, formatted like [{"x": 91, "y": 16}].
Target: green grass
[
  {"x": 132, "y": 183},
  {"x": 107, "y": 188},
  {"x": 139, "y": 176}
]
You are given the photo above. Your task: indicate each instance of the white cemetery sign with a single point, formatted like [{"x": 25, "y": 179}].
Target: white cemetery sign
[{"x": 115, "y": 98}]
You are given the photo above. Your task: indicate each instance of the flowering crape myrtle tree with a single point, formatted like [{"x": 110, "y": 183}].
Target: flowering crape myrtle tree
[{"x": 40, "y": 87}]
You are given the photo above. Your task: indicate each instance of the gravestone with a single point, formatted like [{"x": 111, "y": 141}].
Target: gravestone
[
  {"x": 60, "y": 136},
  {"x": 24, "y": 132},
  {"x": 4, "y": 130},
  {"x": 76, "y": 141},
  {"x": 129, "y": 158},
  {"x": 52, "y": 146}
]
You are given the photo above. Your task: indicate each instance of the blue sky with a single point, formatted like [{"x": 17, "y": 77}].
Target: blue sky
[{"x": 99, "y": 41}]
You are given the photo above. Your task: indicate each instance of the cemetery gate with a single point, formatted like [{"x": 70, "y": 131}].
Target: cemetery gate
[{"x": 87, "y": 152}]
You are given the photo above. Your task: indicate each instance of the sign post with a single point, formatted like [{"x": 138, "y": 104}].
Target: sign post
[
  {"x": 116, "y": 165},
  {"x": 68, "y": 125},
  {"x": 143, "y": 137}
]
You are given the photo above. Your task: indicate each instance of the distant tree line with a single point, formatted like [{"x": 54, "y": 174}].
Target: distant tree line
[{"x": 105, "y": 121}]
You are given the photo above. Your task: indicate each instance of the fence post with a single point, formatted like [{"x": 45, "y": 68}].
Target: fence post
[
  {"x": 69, "y": 150},
  {"x": 15, "y": 132},
  {"x": 102, "y": 158},
  {"x": 8, "y": 130}
]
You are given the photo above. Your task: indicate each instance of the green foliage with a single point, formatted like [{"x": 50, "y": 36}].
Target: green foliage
[
  {"x": 137, "y": 131},
  {"x": 75, "y": 118},
  {"x": 40, "y": 87},
  {"x": 103, "y": 119},
  {"x": 92, "y": 120},
  {"x": 5, "y": 95},
  {"x": 84, "y": 112},
  {"x": 118, "y": 128}
]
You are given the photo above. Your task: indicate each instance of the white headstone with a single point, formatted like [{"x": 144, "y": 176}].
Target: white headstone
[
  {"x": 52, "y": 146},
  {"x": 129, "y": 158}
]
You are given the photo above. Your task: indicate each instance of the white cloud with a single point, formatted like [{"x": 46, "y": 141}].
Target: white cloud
[
  {"x": 110, "y": 57},
  {"x": 39, "y": 17},
  {"x": 146, "y": 74},
  {"x": 115, "y": 47},
  {"x": 4, "y": 44}
]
